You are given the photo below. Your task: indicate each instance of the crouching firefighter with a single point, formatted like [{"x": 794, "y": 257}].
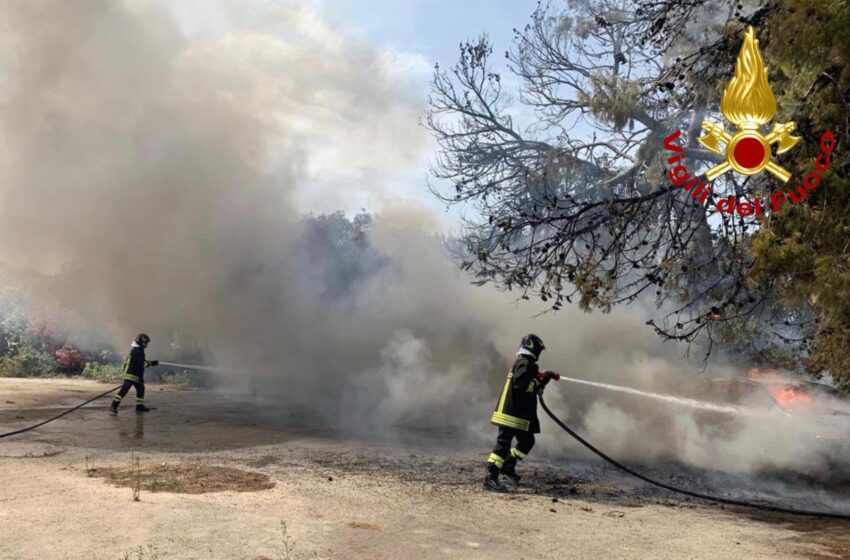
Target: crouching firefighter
[
  {"x": 516, "y": 413},
  {"x": 134, "y": 374}
]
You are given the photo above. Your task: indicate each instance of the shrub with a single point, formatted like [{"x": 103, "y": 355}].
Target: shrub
[
  {"x": 106, "y": 373},
  {"x": 69, "y": 358},
  {"x": 27, "y": 362},
  {"x": 182, "y": 378}
]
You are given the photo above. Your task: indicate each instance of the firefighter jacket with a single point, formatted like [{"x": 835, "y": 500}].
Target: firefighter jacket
[
  {"x": 135, "y": 364},
  {"x": 517, "y": 406}
]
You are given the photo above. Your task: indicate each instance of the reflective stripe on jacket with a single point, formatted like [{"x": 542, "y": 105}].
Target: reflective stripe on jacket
[
  {"x": 517, "y": 406},
  {"x": 135, "y": 364}
]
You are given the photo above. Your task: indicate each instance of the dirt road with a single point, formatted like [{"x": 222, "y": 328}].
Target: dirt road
[{"x": 335, "y": 494}]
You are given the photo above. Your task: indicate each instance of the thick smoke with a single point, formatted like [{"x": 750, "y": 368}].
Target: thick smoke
[
  {"x": 157, "y": 174},
  {"x": 152, "y": 178}
]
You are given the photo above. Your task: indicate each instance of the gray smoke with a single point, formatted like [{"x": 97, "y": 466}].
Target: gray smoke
[{"x": 150, "y": 178}]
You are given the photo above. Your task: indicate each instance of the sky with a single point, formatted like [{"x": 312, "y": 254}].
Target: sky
[
  {"x": 431, "y": 28},
  {"x": 422, "y": 33},
  {"x": 353, "y": 166},
  {"x": 426, "y": 32}
]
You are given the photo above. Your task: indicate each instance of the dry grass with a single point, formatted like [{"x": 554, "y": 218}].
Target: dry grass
[
  {"x": 184, "y": 479},
  {"x": 363, "y": 525},
  {"x": 135, "y": 477}
]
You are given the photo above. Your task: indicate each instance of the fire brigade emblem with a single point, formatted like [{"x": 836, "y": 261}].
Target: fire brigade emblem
[{"x": 748, "y": 102}]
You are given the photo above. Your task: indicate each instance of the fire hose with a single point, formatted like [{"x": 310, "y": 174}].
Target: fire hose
[
  {"x": 676, "y": 489},
  {"x": 81, "y": 405},
  {"x": 58, "y": 416},
  {"x": 563, "y": 426}
]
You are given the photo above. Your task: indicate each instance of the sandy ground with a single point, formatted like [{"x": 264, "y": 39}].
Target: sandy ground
[{"x": 336, "y": 494}]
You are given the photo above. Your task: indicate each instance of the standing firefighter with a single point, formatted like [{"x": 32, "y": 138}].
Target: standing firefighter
[
  {"x": 516, "y": 413},
  {"x": 134, "y": 374}
]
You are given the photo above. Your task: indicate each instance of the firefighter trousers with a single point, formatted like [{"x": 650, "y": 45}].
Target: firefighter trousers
[
  {"x": 125, "y": 388},
  {"x": 503, "y": 454}
]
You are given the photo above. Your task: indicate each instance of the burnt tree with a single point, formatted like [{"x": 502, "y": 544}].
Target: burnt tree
[{"x": 567, "y": 182}]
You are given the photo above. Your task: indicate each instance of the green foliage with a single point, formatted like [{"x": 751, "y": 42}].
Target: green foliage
[
  {"x": 804, "y": 253},
  {"x": 13, "y": 316},
  {"x": 27, "y": 362},
  {"x": 104, "y": 368},
  {"x": 13, "y": 324},
  {"x": 182, "y": 378},
  {"x": 613, "y": 100},
  {"x": 105, "y": 373},
  {"x": 337, "y": 253}
]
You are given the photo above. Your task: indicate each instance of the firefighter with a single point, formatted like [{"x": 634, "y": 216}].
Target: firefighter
[
  {"x": 516, "y": 413},
  {"x": 134, "y": 374}
]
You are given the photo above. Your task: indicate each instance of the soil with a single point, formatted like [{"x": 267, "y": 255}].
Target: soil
[{"x": 224, "y": 477}]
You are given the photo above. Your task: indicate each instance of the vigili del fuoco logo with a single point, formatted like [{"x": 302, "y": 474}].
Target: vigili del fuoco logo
[{"x": 749, "y": 104}]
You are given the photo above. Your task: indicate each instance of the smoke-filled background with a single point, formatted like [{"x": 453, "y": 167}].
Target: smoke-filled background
[{"x": 157, "y": 178}]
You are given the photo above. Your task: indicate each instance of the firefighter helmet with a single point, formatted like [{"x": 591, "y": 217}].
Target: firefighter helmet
[
  {"x": 531, "y": 343},
  {"x": 142, "y": 339}
]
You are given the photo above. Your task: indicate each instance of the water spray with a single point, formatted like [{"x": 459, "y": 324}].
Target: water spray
[
  {"x": 619, "y": 388},
  {"x": 197, "y": 367},
  {"x": 693, "y": 403}
]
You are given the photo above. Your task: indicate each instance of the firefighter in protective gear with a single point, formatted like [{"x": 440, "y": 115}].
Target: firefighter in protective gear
[
  {"x": 134, "y": 374},
  {"x": 516, "y": 413}
]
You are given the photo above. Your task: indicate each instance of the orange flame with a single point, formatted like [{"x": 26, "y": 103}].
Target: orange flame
[
  {"x": 756, "y": 373},
  {"x": 747, "y": 100},
  {"x": 790, "y": 396}
]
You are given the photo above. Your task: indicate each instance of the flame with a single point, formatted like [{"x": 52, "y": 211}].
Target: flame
[
  {"x": 747, "y": 100},
  {"x": 756, "y": 373},
  {"x": 790, "y": 396}
]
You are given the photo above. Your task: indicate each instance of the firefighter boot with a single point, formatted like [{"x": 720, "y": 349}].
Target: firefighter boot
[
  {"x": 491, "y": 481},
  {"x": 113, "y": 409},
  {"x": 509, "y": 470},
  {"x": 142, "y": 408}
]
